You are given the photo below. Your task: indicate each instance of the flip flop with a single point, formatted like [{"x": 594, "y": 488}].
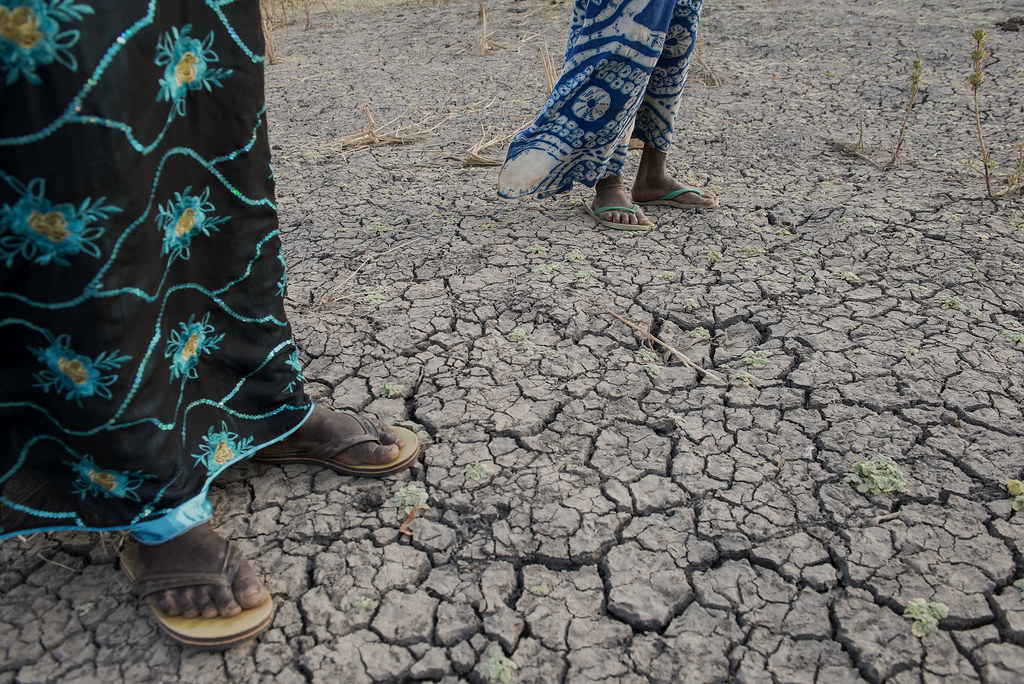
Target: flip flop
[
  {"x": 324, "y": 454},
  {"x": 210, "y": 633},
  {"x": 669, "y": 200},
  {"x": 632, "y": 227}
]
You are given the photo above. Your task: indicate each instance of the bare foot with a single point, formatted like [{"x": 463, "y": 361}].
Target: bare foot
[
  {"x": 199, "y": 550},
  {"x": 326, "y": 426},
  {"x": 653, "y": 182},
  {"x": 610, "y": 192}
]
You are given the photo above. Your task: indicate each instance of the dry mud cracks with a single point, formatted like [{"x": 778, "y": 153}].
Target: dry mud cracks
[{"x": 595, "y": 514}]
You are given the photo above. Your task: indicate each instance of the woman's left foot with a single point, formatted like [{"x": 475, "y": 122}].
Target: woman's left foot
[{"x": 346, "y": 443}]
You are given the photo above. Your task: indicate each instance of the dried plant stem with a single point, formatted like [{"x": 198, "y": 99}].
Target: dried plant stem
[
  {"x": 915, "y": 83},
  {"x": 683, "y": 358},
  {"x": 481, "y": 44},
  {"x": 975, "y": 79},
  {"x": 550, "y": 68}
]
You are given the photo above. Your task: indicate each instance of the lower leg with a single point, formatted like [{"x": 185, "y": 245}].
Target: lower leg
[{"x": 653, "y": 181}]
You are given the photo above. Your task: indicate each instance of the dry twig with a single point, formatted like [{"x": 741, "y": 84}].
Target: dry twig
[{"x": 683, "y": 358}]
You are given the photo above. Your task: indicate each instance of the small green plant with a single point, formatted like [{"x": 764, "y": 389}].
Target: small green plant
[
  {"x": 649, "y": 359},
  {"x": 376, "y": 296},
  {"x": 476, "y": 472},
  {"x": 546, "y": 269},
  {"x": 517, "y": 335},
  {"x": 740, "y": 376},
  {"x": 756, "y": 359},
  {"x": 926, "y": 616},
  {"x": 877, "y": 475},
  {"x": 364, "y": 605},
  {"x": 537, "y": 249},
  {"x": 495, "y": 668},
  {"x": 849, "y": 276},
  {"x": 574, "y": 255},
  {"x": 390, "y": 389},
  {"x": 976, "y": 78},
  {"x": 714, "y": 256},
  {"x": 1013, "y": 336},
  {"x": 667, "y": 275},
  {"x": 700, "y": 334},
  {"x": 539, "y": 590},
  {"x": 950, "y": 303},
  {"x": 529, "y": 346},
  {"x": 805, "y": 278},
  {"x": 1019, "y": 584},
  {"x": 915, "y": 84},
  {"x": 914, "y": 287},
  {"x": 410, "y": 497},
  {"x": 910, "y": 352},
  {"x": 587, "y": 274},
  {"x": 1016, "y": 489}
]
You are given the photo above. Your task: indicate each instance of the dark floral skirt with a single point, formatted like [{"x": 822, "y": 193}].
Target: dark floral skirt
[{"x": 143, "y": 342}]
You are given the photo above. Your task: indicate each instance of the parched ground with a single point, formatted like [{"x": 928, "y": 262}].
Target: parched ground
[{"x": 598, "y": 513}]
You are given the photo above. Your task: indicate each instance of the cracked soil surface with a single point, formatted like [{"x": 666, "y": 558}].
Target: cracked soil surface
[{"x": 595, "y": 514}]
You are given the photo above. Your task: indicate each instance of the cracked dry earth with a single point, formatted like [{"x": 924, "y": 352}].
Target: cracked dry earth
[{"x": 595, "y": 514}]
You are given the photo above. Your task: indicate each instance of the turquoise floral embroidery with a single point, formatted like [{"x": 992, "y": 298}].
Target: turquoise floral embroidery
[
  {"x": 222, "y": 448},
  {"x": 95, "y": 481},
  {"x": 282, "y": 284},
  {"x": 185, "y": 345},
  {"x": 31, "y": 36},
  {"x": 72, "y": 374},
  {"x": 42, "y": 232},
  {"x": 296, "y": 365},
  {"x": 186, "y": 63},
  {"x": 184, "y": 218}
]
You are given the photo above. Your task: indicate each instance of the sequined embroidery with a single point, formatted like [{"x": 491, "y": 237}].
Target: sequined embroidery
[
  {"x": 185, "y": 218},
  {"x": 221, "y": 448},
  {"x": 187, "y": 66},
  {"x": 91, "y": 480},
  {"x": 31, "y": 36},
  {"x": 41, "y": 232},
  {"x": 185, "y": 345},
  {"x": 74, "y": 375}
]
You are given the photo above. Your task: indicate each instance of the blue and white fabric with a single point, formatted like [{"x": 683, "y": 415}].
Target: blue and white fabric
[{"x": 626, "y": 64}]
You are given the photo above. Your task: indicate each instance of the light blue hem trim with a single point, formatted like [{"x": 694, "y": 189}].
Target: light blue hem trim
[{"x": 175, "y": 522}]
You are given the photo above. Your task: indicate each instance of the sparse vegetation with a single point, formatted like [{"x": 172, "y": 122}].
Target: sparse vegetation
[
  {"x": 877, "y": 475},
  {"x": 756, "y": 359},
  {"x": 926, "y": 616},
  {"x": 494, "y": 667},
  {"x": 976, "y": 78},
  {"x": 915, "y": 84},
  {"x": 476, "y": 472},
  {"x": 1016, "y": 489},
  {"x": 410, "y": 497},
  {"x": 390, "y": 390}
]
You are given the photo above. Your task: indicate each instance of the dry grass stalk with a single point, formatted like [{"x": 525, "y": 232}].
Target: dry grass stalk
[
  {"x": 481, "y": 40},
  {"x": 706, "y": 73},
  {"x": 473, "y": 156},
  {"x": 268, "y": 32},
  {"x": 672, "y": 351},
  {"x": 379, "y": 134},
  {"x": 550, "y": 68}
]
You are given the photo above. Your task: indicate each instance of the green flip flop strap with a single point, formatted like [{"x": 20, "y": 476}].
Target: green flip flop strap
[
  {"x": 676, "y": 193},
  {"x": 632, "y": 210}
]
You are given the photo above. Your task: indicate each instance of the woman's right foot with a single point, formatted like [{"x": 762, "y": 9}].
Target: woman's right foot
[
  {"x": 610, "y": 192},
  {"x": 200, "y": 550}
]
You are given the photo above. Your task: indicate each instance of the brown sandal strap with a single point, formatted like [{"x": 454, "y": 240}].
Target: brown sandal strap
[{"x": 163, "y": 581}]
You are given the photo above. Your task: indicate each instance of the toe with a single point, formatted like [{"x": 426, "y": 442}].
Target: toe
[
  {"x": 165, "y": 602},
  {"x": 225, "y": 602},
  {"x": 248, "y": 592}
]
